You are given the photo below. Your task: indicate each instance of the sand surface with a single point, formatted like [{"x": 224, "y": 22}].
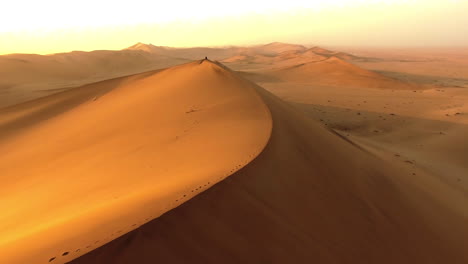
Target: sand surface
[
  {"x": 82, "y": 167},
  {"x": 311, "y": 195},
  {"x": 25, "y": 77},
  {"x": 363, "y": 159}
]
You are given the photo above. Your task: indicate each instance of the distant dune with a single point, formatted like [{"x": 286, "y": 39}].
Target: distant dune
[
  {"x": 187, "y": 53},
  {"x": 285, "y": 55},
  {"x": 278, "y": 47},
  {"x": 29, "y": 76},
  {"x": 25, "y": 77},
  {"x": 335, "y": 71},
  {"x": 271, "y": 49}
]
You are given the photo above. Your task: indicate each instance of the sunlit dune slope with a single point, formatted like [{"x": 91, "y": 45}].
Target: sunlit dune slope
[
  {"x": 25, "y": 77},
  {"x": 82, "y": 167},
  {"x": 28, "y": 76},
  {"x": 329, "y": 53},
  {"x": 280, "y": 55},
  {"x": 275, "y": 48},
  {"x": 311, "y": 196},
  {"x": 283, "y": 59},
  {"x": 335, "y": 71},
  {"x": 186, "y": 53}
]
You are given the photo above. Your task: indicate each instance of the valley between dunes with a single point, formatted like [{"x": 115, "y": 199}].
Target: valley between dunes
[{"x": 290, "y": 155}]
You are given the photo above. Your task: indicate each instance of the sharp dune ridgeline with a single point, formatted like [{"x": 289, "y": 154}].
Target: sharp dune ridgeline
[
  {"x": 335, "y": 71},
  {"x": 25, "y": 77},
  {"x": 148, "y": 155},
  {"x": 196, "y": 163},
  {"x": 310, "y": 196},
  {"x": 105, "y": 158}
]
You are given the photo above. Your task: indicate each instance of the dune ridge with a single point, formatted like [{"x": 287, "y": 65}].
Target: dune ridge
[
  {"x": 25, "y": 77},
  {"x": 108, "y": 157},
  {"x": 310, "y": 196},
  {"x": 296, "y": 192},
  {"x": 335, "y": 71}
]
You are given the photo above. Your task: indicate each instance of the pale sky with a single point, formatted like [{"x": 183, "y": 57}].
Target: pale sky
[{"x": 50, "y": 26}]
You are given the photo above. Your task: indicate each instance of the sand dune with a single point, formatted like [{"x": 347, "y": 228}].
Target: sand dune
[
  {"x": 310, "y": 196},
  {"x": 283, "y": 59},
  {"x": 187, "y": 53},
  {"x": 150, "y": 48},
  {"x": 284, "y": 55},
  {"x": 250, "y": 59},
  {"x": 329, "y": 53},
  {"x": 28, "y": 76},
  {"x": 335, "y": 71},
  {"x": 276, "y": 48},
  {"x": 25, "y": 77},
  {"x": 271, "y": 49},
  {"x": 440, "y": 67},
  {"x": 84, "y": 166}
]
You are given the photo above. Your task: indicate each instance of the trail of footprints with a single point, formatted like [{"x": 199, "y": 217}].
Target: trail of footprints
[{"x": 171, "y": 206}]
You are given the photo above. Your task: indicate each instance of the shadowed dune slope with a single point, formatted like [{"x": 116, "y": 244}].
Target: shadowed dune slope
[
  {"x": 82, "y": 167},
  {"x": 335, "y": 71},
  {"x": 309, "y": 197}
]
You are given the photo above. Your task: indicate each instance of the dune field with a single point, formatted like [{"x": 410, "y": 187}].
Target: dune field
[{"x": 276, "y": 153}]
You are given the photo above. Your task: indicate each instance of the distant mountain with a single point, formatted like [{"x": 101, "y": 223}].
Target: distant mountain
[{"x": 148, "y": 48}]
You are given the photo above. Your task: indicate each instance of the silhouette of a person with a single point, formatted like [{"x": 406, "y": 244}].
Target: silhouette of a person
[{"x": 206, "y": 58}]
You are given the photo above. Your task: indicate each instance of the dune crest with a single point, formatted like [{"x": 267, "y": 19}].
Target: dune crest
[
  {"x": 336, "y": 71},
  {"x": 119, "y": 153},
  {"x": 85, "y": 166},
  {"x": 150, "y": 48},
  {"x": 49, "y": 74},
  {"x": 310, "y": 196},
  {"x": 25, "y": 77}
]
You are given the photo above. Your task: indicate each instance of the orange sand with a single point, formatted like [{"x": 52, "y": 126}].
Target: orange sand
[{"x": 133, "y": 169}]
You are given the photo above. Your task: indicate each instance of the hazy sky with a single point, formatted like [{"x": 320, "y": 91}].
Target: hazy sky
[{"x": 48, "y": 26}]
